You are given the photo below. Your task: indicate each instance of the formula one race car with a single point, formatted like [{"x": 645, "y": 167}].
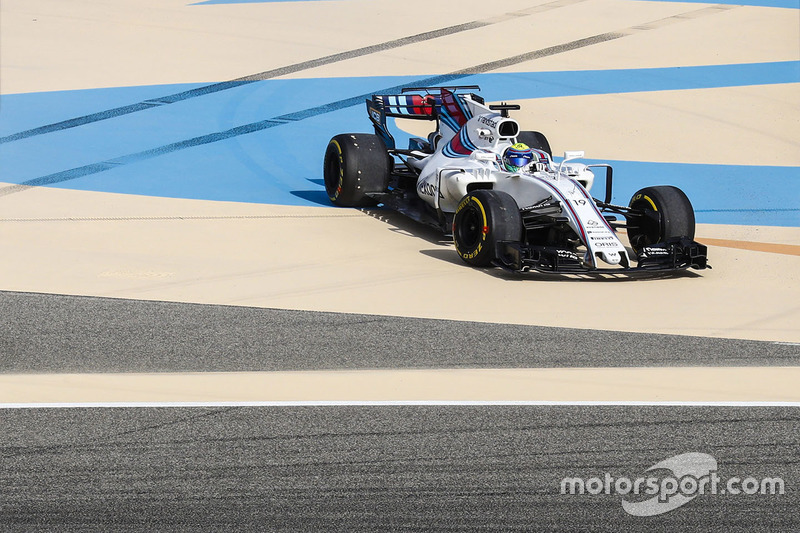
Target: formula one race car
[{"x": 499, "y": 191}]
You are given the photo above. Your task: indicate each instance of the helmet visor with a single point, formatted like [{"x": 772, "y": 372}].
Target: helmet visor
[{"x": 515, "y": 162}]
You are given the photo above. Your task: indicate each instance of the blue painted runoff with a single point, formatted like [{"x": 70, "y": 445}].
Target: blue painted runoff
[{"x": 264, "y": 142}]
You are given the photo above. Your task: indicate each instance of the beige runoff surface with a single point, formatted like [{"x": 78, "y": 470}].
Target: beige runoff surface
[
  {"x": 538, "y": 26},
  {"x": 698, "y": 384},
  {"x": 375, "y": 262},
  {"x": 702, "y": 34},
  {"x": 48, "y": 45},
  {"x": 656, "y": 34}
]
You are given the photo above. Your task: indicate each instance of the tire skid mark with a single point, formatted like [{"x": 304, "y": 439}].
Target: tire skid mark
[
  {"x": 176, "y": 217},
  {"x": 95, "y": 168},
  {"x": 278, "y": 72}
]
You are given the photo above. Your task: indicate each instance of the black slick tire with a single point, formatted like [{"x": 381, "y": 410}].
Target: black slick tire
[
  {"x": 668, "y": 214},
  {"x": 482, "y": 219},
  {"x": 356, "y": 164}
]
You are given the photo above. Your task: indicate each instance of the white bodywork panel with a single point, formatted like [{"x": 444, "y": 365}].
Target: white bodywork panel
[{"x": 444, "y": 180}]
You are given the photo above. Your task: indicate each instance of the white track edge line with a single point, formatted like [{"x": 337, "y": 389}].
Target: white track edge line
[{"x": 391, "y": 403}]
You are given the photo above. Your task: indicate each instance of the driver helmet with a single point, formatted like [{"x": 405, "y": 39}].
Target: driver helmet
[{"x": 517, "y": 157}]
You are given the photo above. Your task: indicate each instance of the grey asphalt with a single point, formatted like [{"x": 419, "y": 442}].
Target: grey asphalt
[
  {"x": 42, "y": 333},
  {"x": 412, "y": 468},
  {"x": 381, "y": 468}
]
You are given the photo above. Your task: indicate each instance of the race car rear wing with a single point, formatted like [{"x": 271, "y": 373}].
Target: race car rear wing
[{"x": 424, "y": 105}]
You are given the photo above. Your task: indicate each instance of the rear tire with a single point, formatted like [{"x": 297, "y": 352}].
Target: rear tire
[
  {"x": 535, "y": 140},
  {"x": 356, "y": 164},
  {"x": 483, "y": 218},
  {"x": 668, "y": 214}
]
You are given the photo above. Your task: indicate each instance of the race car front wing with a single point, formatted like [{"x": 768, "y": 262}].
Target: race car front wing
[{"x": 674, "y": 254}]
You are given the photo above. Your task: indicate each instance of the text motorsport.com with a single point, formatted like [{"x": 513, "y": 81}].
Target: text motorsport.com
[{"x": 693, "y": 474}]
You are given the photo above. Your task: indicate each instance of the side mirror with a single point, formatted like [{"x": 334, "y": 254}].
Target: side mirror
[{"x": 569, "y": 155}]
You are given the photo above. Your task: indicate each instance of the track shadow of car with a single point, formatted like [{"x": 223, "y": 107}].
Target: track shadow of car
[
  {"x": 402, "y": 224},
  {"x": 398, "y": 223},
  {"x": 316, "y": 197}
]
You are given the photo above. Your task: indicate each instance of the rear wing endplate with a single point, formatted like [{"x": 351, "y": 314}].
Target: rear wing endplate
[{"x": 424, "y": 104}]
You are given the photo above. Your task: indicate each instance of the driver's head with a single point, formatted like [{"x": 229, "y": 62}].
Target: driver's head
[{"x": 517, "y": 156}]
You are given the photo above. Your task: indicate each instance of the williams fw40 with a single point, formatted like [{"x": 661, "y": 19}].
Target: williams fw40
[{"x": 499, "y": 192}]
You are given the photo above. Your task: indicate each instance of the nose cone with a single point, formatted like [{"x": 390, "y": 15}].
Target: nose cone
[{"x": 611, "y": 257}]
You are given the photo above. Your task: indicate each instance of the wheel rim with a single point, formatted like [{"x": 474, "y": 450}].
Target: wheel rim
[
  {"x": 470, "y": 230},
  {"x": 649, "y": 229}
]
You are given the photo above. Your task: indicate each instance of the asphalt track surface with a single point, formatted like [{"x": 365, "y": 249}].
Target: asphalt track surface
[
  {"x": 360, "y": 468},
  {"x": 57, "y": 333},
  {"x": 381, "y": 468}
]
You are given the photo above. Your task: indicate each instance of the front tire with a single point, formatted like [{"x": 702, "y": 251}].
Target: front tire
[
  {"x": 356, "y": 164},
  {"x": 668, "y": 214},
  {"x": 482, "y": 219}
]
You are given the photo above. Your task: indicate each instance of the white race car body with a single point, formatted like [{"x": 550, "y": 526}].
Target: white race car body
[
  {"x": 540, "y": 217},
  {"x": 471, "y": 157}
]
